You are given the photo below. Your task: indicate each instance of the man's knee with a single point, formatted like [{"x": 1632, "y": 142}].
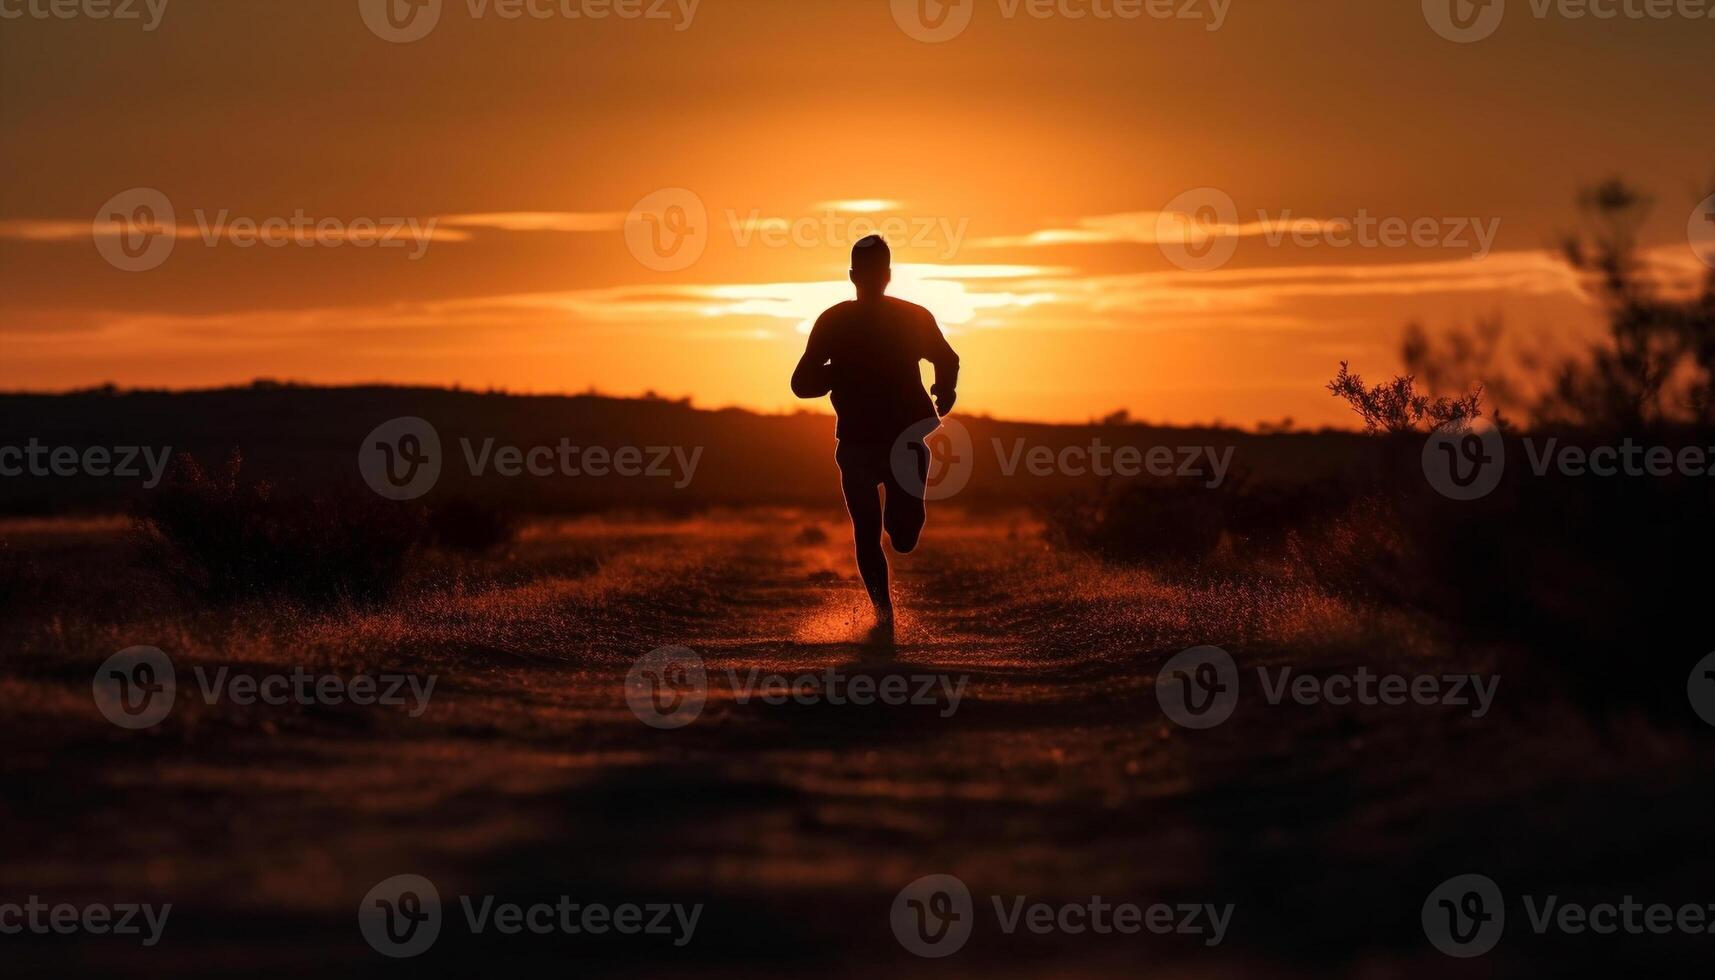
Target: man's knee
[{"x": 904, "y": 533}]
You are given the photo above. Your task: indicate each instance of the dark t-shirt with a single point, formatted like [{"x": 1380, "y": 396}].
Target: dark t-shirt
[{"x": 872, "y": 348}]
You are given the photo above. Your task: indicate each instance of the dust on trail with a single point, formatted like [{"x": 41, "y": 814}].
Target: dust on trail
[{"x": 1056, "y": 776}]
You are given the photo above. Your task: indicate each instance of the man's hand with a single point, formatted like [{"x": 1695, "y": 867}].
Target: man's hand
[{"x": 944, "y": 399}]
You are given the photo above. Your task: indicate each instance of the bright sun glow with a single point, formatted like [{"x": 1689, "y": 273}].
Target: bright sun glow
[
  {"x": 939, "y": 287},
  {"x": 862, "y": 205}
]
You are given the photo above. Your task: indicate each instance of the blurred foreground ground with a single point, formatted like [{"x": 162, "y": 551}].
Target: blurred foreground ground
[{"x": 1058, "y": 777}]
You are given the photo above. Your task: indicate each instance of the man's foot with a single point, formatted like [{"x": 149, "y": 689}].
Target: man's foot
[{"x": 881, "y": 634}]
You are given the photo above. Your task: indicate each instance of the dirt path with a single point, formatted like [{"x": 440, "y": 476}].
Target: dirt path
[{"x": 1036, "y": 761}]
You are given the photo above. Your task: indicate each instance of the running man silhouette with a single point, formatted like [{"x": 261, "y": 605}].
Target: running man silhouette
[{"x": 866, "y": 353}]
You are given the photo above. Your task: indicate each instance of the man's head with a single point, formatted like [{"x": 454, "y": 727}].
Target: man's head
[{"x": 872, "y": 266}]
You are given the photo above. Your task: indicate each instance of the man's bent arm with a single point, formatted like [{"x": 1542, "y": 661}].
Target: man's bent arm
[{"x": 946, "y": 361}]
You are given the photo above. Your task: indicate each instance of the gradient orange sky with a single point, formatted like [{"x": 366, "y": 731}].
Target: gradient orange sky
[{"x": 1037, "y": 153}]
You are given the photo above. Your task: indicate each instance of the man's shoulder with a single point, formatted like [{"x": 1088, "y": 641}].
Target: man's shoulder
[
  {"x": 907, "y": 308},
  {"x": 839, "y": 311},
  {"x": 906, "y": 312}
]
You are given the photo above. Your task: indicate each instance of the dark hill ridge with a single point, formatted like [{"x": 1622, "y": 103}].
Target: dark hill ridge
[{"x": 306, "y": 439}]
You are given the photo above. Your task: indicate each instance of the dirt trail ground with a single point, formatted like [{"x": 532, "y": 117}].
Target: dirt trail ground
[{"x": 1055, "y": 775}]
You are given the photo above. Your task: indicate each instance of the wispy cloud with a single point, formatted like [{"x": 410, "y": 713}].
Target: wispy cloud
[
  {"x": 1155, "y": 228},
  {"x": 570, "y": 222},
  {"x": 442, "y": 228}
]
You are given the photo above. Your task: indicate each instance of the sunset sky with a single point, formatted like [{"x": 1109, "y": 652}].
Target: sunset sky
[{"x": 1027, "y": 159}]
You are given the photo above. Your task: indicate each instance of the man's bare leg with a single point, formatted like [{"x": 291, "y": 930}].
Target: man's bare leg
[{"x": 863, "y": 504}]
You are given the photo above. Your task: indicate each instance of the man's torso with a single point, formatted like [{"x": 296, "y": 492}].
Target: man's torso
[{"x": 874, "y": 349}]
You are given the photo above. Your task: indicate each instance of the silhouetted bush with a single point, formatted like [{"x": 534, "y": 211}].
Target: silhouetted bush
[
  {"x": 1141, "y": 521},
  {"x": 11, "y": 574},
  {"x": 221, "y": 538},
  {"x": 470, "y": 526},
  {"x": 1188, "y": 522},
  {"x": 1601, "y": 583}
]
